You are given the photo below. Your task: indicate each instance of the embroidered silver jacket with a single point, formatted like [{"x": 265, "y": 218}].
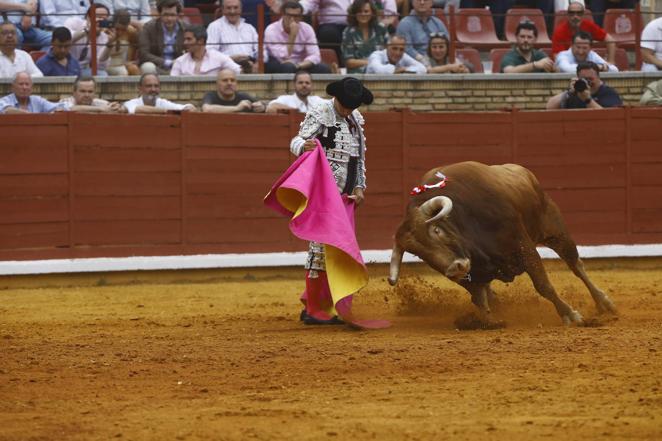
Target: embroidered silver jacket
[{"x": 317, "y": 121}]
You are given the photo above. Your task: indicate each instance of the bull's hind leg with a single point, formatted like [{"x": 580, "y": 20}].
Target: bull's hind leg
[
  {"x": 558, "y": 239},
  {"x": 536, "y": 271},
  {"x": 567, "y": 250}
]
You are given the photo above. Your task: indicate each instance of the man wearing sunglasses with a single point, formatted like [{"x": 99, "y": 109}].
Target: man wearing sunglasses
[
  {"x": 562, "y": 38},
  {"x": 587, "y": 91}
]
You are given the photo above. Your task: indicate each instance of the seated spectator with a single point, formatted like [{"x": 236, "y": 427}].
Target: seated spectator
[
  {"x": 22, "y": 13},
  {"x": 436, "y": 60},
  {"x": 21, "y": 99},
  {"x": 123, "y": 46},
  {"x": 393, "y": 59},
  {"x": 652, "y": 95},
  {"x": 54, "y": 13},
  {"x": 149, "y": 101},
  {"x": 598, "y": 7},
  {"x": 498, "y": 9},
  {"x": 291, "y": 43},
  {"x": 417, "y": 27},
  {"x": 233, "y": 36},
  {"x": 586, "y": 92},
  {"x": 332, "y": 19},
  {"x": 363, "y": 36},
  {"x": 139, "y": 10},
  {"x": 161, "y": 40},
  {"x": 524, "y": 58},
  {"x": 12, "y": 60},
  {"x": 651, "y": 46},
  {"x": 84, "y": 100},
  {"x": 580, "y": 50},
  {"x": 82, "y": 48},
  {"x": 58, "y": 62},
  {"x": 562, "y": 38},
  {"x": 226, "y": 99},
  {"x": 301, "y": 100},
  {"x": 198, "y": 60}
]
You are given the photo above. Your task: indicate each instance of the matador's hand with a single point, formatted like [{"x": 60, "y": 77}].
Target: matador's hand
[
  {"x": 309, "y": 145},
  {"x": 357, "y": 196}
]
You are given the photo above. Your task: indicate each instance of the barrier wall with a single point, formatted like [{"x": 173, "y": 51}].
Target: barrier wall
[{"x": 75, "y": 185}]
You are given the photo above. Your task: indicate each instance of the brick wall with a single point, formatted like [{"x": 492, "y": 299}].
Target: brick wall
[{"x": 475, "y": 92}]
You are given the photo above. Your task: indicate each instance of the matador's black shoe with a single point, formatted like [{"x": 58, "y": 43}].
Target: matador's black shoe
[{"x": 310, "y": 320}]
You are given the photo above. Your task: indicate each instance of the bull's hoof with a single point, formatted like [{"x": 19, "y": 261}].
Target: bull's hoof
[
  {"x": 573, "y": 318},
  {"x": 606, "y": 306},
  {"x": 392, "y": 282}
]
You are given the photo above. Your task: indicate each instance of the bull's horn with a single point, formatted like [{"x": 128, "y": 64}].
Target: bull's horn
[
  {"x": 436, "y": 208},
  {"x": 396, "y": 260}
]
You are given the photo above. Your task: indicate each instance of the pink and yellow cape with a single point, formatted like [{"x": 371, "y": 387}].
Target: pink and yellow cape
[{"x": 307, "y": 193}]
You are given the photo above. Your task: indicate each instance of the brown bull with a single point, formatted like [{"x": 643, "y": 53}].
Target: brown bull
[{"x": 485, "y": 225}]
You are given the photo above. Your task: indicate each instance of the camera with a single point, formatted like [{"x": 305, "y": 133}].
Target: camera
[
  {"x": 105, "y": 24},
  {"x": 581, "y": 85}
]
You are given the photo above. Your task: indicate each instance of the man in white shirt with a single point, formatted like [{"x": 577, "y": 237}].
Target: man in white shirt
[
  {"x": 233, "y": 36},
  {"x": 651, "y": 46},
  {"x": 81, "y": 48},
  {"x": 84, "y": 99},
  {"x": 198, "y": 60},
  {"x": 393, "y": 59},
  {"x": 302, "y": 98},
  {"x": 149, "y": 100},
  {"x": 579, "y": 51},
  {"x": 12, "y": 60}
]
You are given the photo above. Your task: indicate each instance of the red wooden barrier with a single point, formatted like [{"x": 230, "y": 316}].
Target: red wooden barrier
[{"x": 75, "y": 185}]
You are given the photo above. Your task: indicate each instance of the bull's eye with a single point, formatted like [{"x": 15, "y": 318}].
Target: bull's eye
[{"x": 437, "y": 231}]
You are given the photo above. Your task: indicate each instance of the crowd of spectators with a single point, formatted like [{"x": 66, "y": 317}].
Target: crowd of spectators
[{"x": 139, "y": 37}]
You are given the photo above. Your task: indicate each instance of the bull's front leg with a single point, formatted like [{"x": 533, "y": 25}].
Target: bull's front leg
[
  {"x": 480, "y": 296},
  {"x": 536, "y": 271}
]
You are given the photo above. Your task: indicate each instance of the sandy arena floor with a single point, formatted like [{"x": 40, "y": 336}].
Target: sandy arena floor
[{"x": 221, "y": 356}]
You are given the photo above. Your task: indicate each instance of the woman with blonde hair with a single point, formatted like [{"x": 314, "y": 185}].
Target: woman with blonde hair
[{"x": 436, "y": 60}]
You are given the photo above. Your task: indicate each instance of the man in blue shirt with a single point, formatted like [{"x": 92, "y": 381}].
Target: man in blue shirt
[
  {"x": 58, "y": 62},
  {"x": 417, "y": 27},
  {"x": 587, "y": 91},
  {"x": 22, "y": 100}
]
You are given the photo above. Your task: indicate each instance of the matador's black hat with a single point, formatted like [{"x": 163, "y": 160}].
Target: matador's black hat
[{"x": 350, "y": 92}]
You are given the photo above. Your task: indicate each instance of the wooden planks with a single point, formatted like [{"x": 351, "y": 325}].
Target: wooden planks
[{"x": 75, "y": 185}]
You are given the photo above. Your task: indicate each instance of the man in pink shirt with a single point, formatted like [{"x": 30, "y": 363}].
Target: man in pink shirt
[
  {"x": 198, "y": 60},
  {"x": 291, "y": 43}
]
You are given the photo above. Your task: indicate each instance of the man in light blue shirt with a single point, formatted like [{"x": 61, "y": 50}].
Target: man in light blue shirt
[
  {"x": 22, "y": 100},
  {"x": 393, "y": 59},
  {"x": 418, "y": 26},
  {"x": 22, "y": 13},
  {"x": 55, "y": 12},
  {"x": 580, "y": 50}
]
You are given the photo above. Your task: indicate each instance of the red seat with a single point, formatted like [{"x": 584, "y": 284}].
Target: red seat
[
  {"x": 475, "y": 28},
  {"x": 621, "y": 25},
  {"x": 621, "y": 57},
  {"x": 329, "y": 56},
  {"x": 515, "y": 16},
  {"x": 37, "y": 55},
  {"x": 192, "y": 16},
  {"x": 472, "y": 56},
  {"x": 561, "y": 16},
  {"x": 496, "y": 55}
]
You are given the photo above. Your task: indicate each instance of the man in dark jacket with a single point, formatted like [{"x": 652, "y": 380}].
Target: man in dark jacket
[{"x": 161, "y": 40}]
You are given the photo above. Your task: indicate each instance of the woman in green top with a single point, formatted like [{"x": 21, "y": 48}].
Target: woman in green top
[{"x": 363, "y": 36}]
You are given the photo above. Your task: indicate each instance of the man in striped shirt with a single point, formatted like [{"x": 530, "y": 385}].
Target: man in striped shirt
[{"x": 233, "y": 36}]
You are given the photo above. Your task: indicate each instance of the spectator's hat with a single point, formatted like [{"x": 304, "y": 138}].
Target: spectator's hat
[{"x": 350, "y": 92}]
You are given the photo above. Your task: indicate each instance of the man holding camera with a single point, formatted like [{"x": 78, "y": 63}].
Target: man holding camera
[{"x": 587, "y": 91}]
